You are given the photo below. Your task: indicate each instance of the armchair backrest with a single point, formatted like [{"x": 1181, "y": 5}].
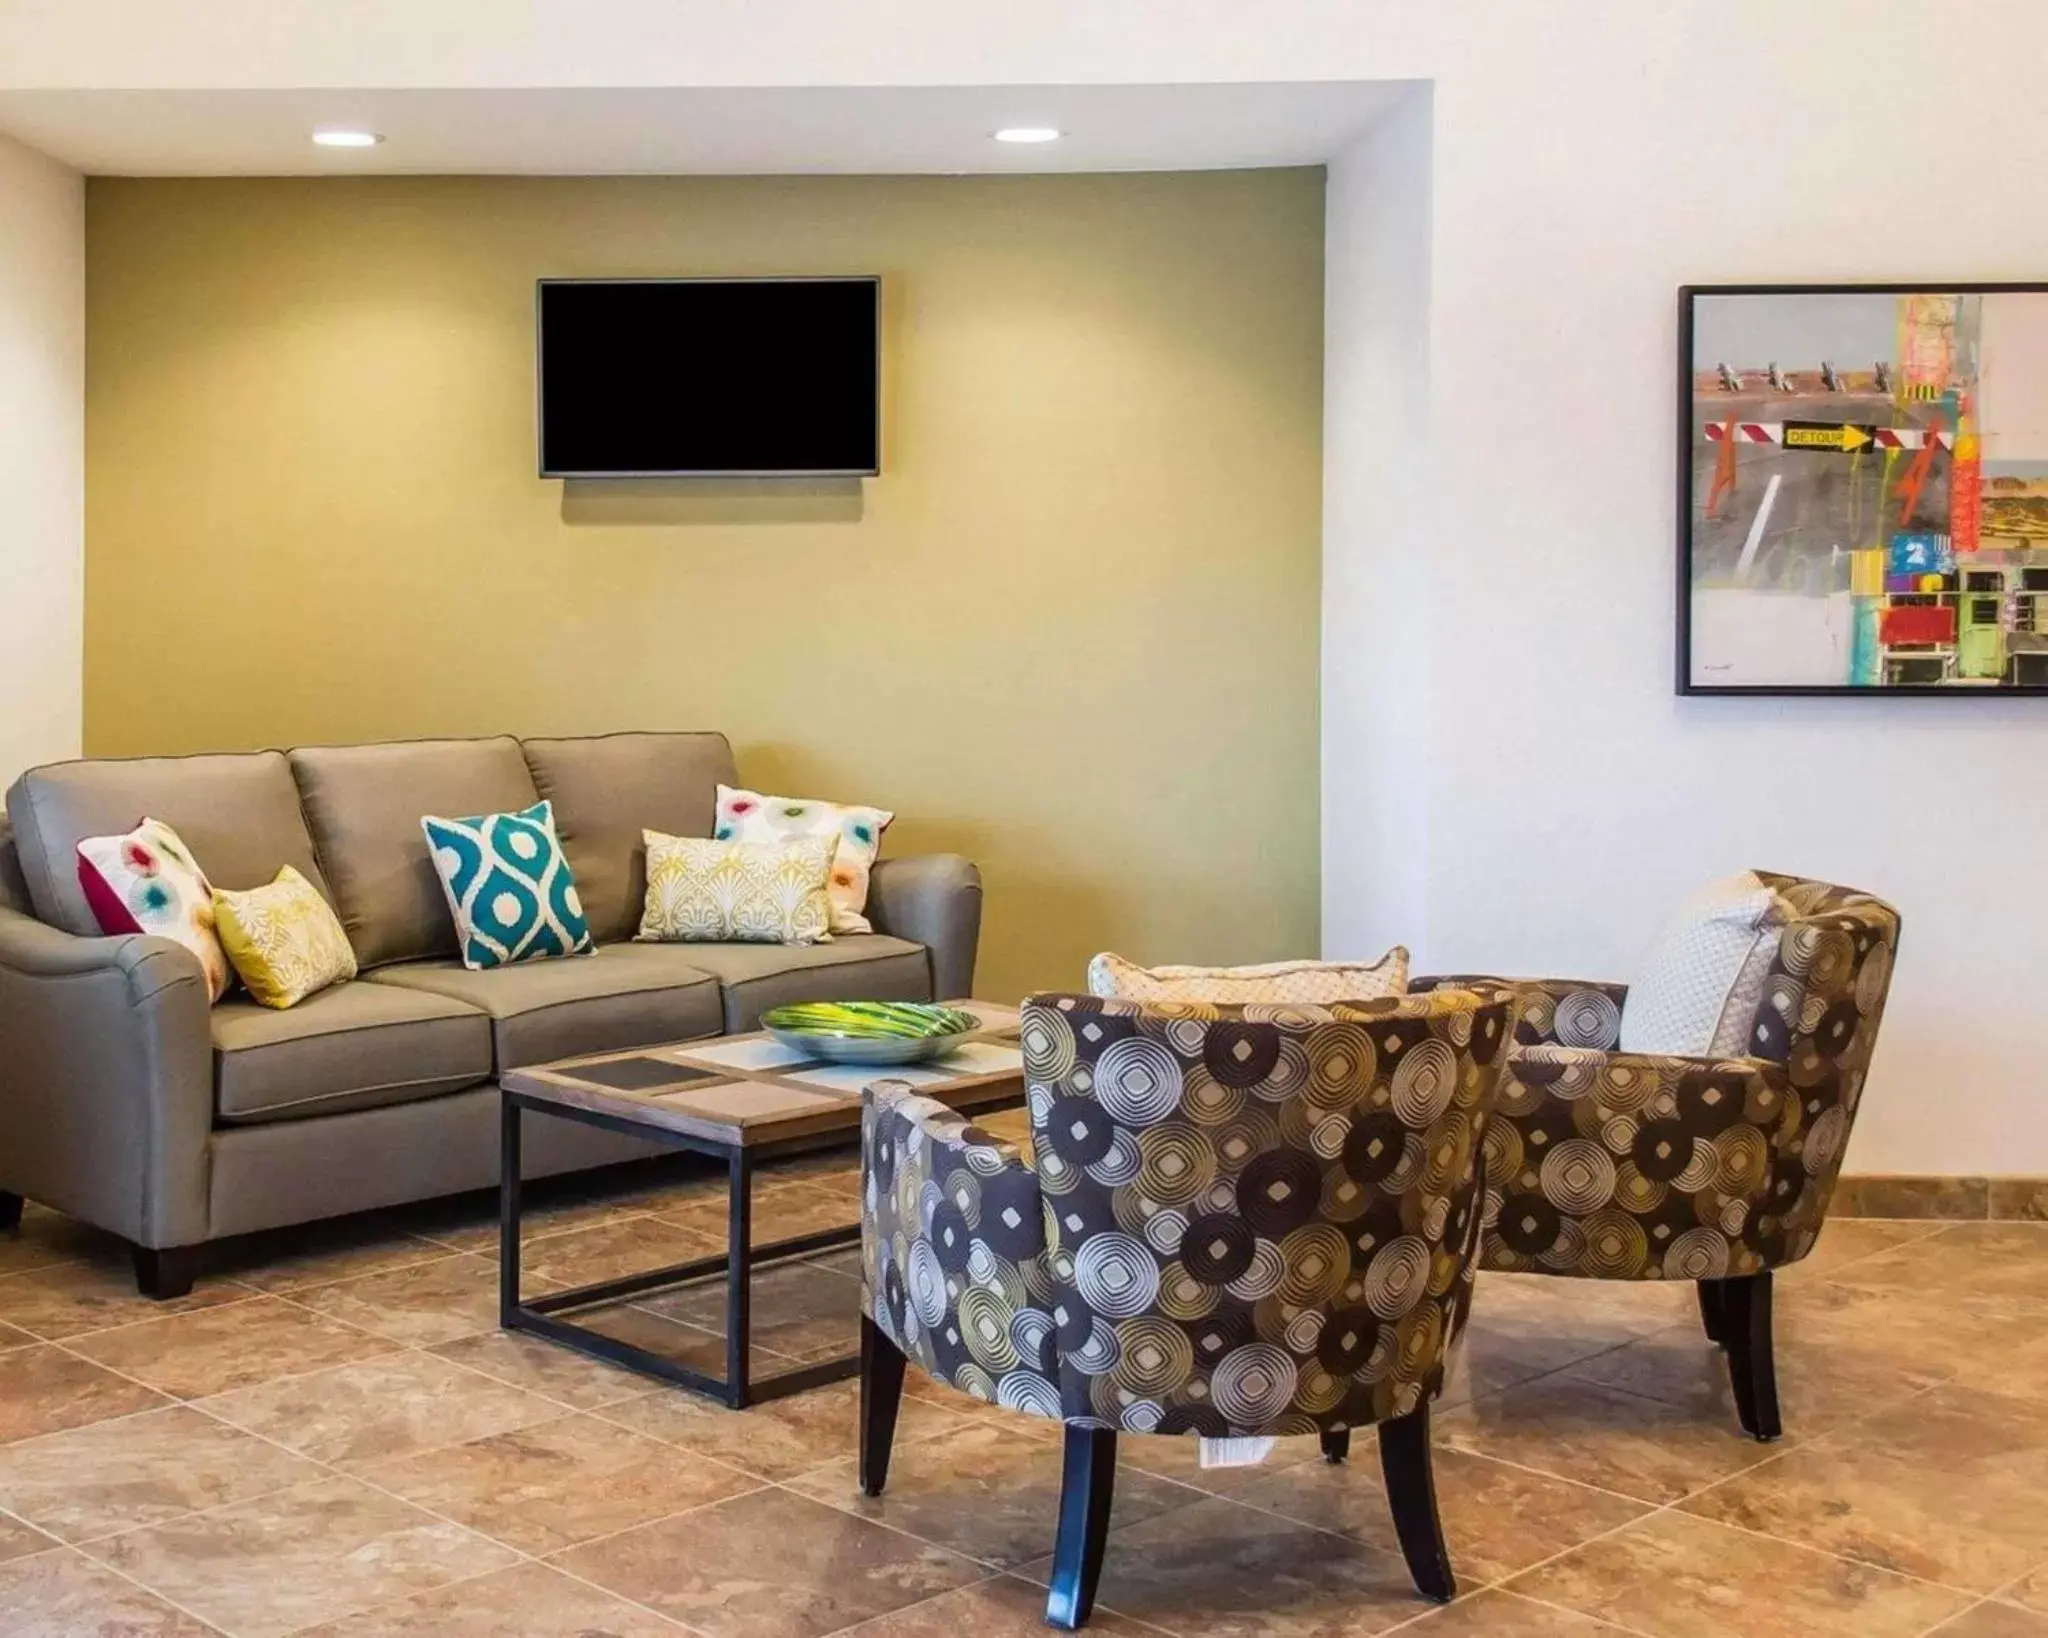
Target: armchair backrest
[
  {"x": 1259, "y": 1219},
  {"x": 1825, "y": 993}
]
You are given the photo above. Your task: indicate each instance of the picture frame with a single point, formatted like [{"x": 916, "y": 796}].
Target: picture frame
[{"x": 1870, "y": 521}]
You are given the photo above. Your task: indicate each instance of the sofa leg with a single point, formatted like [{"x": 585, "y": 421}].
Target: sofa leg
[
  {"x": 1712, "y": 1304},
  {"x": 10, "y": 1212},
  {"x": 1752, "y": 1365},
  {"x": 1411, "y": 1494},
  {"x": 881, "y": 1392},
  {"x": 166, "y": 1272},
  {"x": 1087, "y": 1486},
  {"x": 1336, "y": 1445}
]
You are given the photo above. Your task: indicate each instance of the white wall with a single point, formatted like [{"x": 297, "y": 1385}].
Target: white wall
[
  {"x": 1580, "y": 174},
  {"x": 1378, "y": 634},
  {"x": 42, "y": 458},
  {"x": 1542, "y": 797}
]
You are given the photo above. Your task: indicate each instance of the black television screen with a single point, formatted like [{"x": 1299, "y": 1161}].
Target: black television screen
[{"x": 684, "y": 377}]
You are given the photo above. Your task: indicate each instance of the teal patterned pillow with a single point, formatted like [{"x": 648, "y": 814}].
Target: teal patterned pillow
[{"x": 509, "y": 887}]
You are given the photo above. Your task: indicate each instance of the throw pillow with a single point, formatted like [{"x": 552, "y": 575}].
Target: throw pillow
[
  {"x": 148, "y": 882},
  {"x": 703, "y": 890},
  {"x": 285, "y": 940},
  {"x": 1281, "y": 983},
  {"x": 509, "y": 887},
  {"x": 1697, "y": 993},
  {"x": 748, "y": 816}
]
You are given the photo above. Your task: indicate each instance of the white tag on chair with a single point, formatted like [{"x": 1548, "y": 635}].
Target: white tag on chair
[{"x": 1236, "y": 1452}]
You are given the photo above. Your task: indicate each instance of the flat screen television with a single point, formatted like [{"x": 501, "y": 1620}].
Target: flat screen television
[{"x": 642, "y": 378}]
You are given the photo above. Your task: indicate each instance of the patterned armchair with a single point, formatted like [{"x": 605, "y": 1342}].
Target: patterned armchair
[
  {"x": 1236, "y": 1221},
  {"x": 1622, "y": 1166}
]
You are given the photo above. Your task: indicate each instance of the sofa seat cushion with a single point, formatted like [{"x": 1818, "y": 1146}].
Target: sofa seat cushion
[
  {"x": 858, "y": 967},
  {"x": 354, "y": 1046},
  {"x": 620, "y": 995}
]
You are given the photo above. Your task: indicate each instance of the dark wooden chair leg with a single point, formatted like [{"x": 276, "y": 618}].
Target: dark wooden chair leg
[
  {"x": 1087, "y": 1485},
  {"x": 1752, "y": 1367},
  {"x": 10, "y": 1211},
  {"x": 1336, "y": 1445},
  {"x": 1411, "y": 1494},
  {"x": 1713, "y": 1302},
  {"x": 166, "y": 1272},
  {"x": 881, "y": 1392}
]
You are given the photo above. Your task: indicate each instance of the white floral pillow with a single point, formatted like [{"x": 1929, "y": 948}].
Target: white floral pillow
[
  {"x": 148, "y": 882},
  {"x": 748, "y": 816}
]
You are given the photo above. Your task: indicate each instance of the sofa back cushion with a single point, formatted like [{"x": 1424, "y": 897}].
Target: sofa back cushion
[
  {"x": 13, "y": 885},
  {"x": 238, "y": 813},
  {"x": 364, "y": 804},
  {"x": 607, "y": 790}
]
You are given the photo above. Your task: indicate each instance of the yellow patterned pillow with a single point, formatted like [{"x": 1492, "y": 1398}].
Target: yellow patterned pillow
[
  {"x": 703, "y": 891},
  {"x": 284, "y": 940}
]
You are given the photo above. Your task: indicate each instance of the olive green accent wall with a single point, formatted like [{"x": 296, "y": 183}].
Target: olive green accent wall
[{"x": 1071, "y": 631}]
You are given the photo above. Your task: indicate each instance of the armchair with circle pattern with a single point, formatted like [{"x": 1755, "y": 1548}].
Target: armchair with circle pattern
[
  {"x": 1235, "y": 1221},
  {"x": 1612, "y": 1165}
]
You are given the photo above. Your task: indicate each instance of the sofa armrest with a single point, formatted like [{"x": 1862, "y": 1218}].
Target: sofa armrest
[
  {"x": 953, "y": 1251},
  {"x": 1570, "y": 1012},
  {"x": 933, "y": 899},
  {"x": 106, "y": 1079}
]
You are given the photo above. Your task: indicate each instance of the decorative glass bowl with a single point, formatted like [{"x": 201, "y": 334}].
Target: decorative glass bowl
[{"x": 869, "y": 1032}]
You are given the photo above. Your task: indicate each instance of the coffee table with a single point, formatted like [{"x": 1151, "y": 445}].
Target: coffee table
[{"x": 741, "y": 1099}]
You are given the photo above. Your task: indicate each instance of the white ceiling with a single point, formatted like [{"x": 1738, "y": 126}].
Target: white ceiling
[{"x": 725, "y": 130}]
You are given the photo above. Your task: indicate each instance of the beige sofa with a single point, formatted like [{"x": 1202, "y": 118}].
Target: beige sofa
[{"x": 128, "y": 1102}]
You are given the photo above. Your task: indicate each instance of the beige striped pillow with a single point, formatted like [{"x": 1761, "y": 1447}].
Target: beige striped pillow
[{"x": 1284, "y": 983}]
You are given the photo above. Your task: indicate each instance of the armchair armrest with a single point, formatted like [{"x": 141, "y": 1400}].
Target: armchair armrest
[
  {"x": 1633, "y": 1165},
  {"x": 1570, "y": 1012},
  {"x": 106, "y": 1079},
  {"x": 933, "y": 899},
  {"x": 953, "y": 1255}
]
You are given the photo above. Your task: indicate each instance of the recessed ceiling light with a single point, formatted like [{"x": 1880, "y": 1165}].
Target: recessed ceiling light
[
  {"x": 1028, "y": 133},
  {"x": 347, "y": 139}
]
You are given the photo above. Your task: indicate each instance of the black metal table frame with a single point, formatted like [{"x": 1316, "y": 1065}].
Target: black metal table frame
[{"x": 738, "y": 1388}]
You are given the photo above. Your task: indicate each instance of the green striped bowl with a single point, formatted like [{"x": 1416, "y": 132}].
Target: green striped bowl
[{"x": 869, "y": 1032}]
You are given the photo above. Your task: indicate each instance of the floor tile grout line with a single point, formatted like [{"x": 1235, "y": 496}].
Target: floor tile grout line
[
  {"x": 7, "y": 1517},
  {"x": 1586, "y": 1484},
  {"x": 330, "y": 1471},
  {"x": 164, "y": 1313},
  {"x": 168, "y": 1403},
  {"x": 780, "y": 1481},
  {"x": 389, "y": 1347},
  {"x": 394, "y": 1603},
  {"x": 254, "y": 1296},
  {"x": 1948, "y": 1621},
  {"x": 45, "y": 1268},
  {"x": 434, "y": 1252},
  {"x": 1790, "y": 1441},
  {"x": 991, "y": 1565},
  {"x": 1999, "y": 1594},
  {"x": 1819, "y": 1552},
  {"x": 321, "y": 1463},
  {"x": 1100, "y": 1608},
  {"x": 144, "y": 1587},
  {"x": 1466, "y": 1596}
]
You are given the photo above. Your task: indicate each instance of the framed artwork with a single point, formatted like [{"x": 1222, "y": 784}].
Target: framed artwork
[{"x": 1863, "y": 489}]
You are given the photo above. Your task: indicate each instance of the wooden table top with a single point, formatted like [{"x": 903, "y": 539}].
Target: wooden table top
[{"x": 746, "y": 1090}]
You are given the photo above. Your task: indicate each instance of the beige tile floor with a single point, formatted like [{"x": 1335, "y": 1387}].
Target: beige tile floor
[{"x": 330, "y": 1437}]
